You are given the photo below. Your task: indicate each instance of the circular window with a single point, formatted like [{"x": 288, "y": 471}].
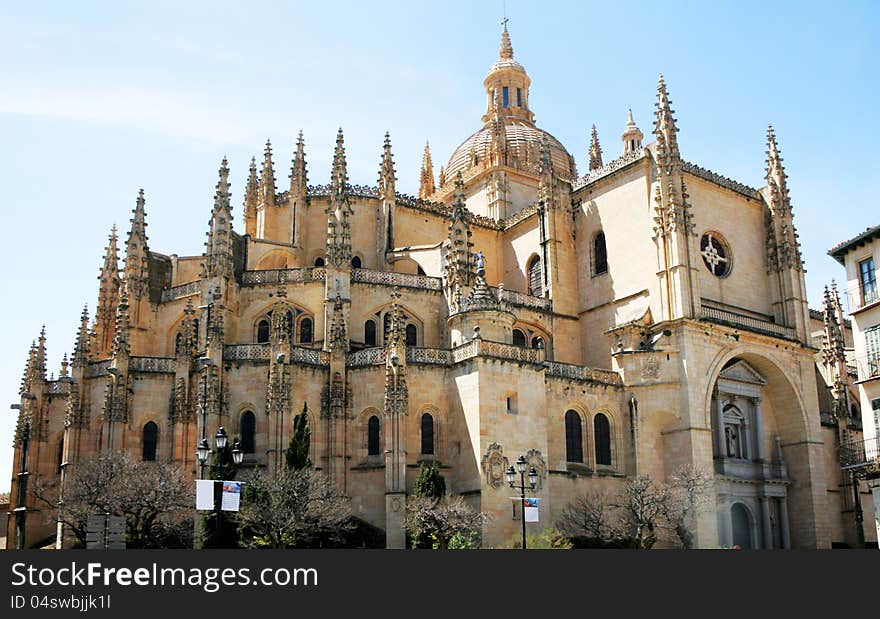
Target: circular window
[{"x": 715, "y": 254}]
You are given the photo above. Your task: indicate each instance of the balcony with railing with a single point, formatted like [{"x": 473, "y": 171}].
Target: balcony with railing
[
  {"x": 861, "y": 455},
  {"x": 868, "y": 367},
  {"x": 860, "y": 296},
  {"x": 747, "y": 323}
]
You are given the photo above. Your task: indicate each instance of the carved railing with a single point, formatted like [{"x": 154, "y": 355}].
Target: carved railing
[
  {"x": 58, "y": 387},
  {"x": 366, "y": 357},
  {"x": 718, "y": 179},
  {"x": 309, "y": 356},
  {"x": 749, "y": 323},
  {"x": 283, "y": 276},
  {"x": 582, "y": 373},
  {"x": 428, "y": 356},
  {"x": 608, "y": 168},
  {"x": 154, "y": 365},
  {"x": 178, "y": 292},
  {"x": 246, "y": 352},
  {"x": 97, "y": 368},
  {"x": 389, "y": 278},
  {"x": 521, "y": 299},
  {"x": 498, "y": 350}
]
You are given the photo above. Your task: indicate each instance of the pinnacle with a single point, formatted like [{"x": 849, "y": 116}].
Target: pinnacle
[{"x": 506, "y": 47}]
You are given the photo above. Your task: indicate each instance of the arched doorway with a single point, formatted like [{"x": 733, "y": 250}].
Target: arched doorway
[{"x": 741, "y": 526}]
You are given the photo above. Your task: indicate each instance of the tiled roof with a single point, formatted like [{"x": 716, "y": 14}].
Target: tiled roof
[{"x": 841, "y": 249}]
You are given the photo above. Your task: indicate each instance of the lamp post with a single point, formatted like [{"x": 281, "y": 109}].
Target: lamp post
[
  {"x": 511, "y": 479},
  {"x": 221, "y": 439}
]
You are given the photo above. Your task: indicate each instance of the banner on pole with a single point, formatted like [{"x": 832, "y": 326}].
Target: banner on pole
[
  {"x": 205, "y": 494},
  {"x": 231, "y": 496},
  {"x": 531, "y": 511}
]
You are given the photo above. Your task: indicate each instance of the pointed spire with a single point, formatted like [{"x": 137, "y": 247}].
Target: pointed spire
[
  {"x": 506, "y": 50},
  {"x": 251, "y": 198},
  {"x": 339, "y": 210},
  {"x": 81, "y": 348},
  {"x": 783, "y": 246},
  {"x": 776, "y": 175},
  {"x": 40, "y": 354},
  {"x": 665, "y": 129},
  {"x": 108, "y": 297},
  {"x": 458, "y": 206},
  {"x": 218, "y": 249},
  {"x": 121, "y": 344},
  {"x": 137, "y": 269},
  {"x": 64, "y": 373},
  {"x": 632, "y": 136},
  {"x": 426, "y": 177},
  {"x": 441, "y": 178},
  {"x": 387, "y": 175},
  {"x": 267, "y": 180},
  {"x": 547, "y": 181},
  {"x": 298, "y": 175},
  {"x": 595, "y": 150},
  {"x": 339, "y": 178}
]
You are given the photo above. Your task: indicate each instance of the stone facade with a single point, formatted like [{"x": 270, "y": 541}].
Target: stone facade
[{"x": 646, "y": 315}]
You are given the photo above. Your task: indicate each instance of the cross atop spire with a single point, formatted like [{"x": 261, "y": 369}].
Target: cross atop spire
[{"x": 506, "y": 48}]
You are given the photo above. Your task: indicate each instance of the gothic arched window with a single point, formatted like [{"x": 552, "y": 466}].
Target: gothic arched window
[
  {"x": 534, "y": 269},
  {"x": 150, "y": 441},
  {"x": 600, "y": 254},
  {"x": 519, "y": 338},
  {"x": 263, "y": 331},
  {"x": 602, "y": 436},
  {"x": 356, "y": 262},
  {"x": 574, "y": 437},
  {"x": 178, "y": 343},
  {"x": 427, "y": 434},
  {"x": 411, "y": 335},
  {"x": 370, "y": 333},
  {"x": 305, "y": 331},
  {"x": 538, "y": 342},
  {"x": 373, "y": 436},
  {"x": 247, "y": 430},
  {"x": 319, "y": 261}
]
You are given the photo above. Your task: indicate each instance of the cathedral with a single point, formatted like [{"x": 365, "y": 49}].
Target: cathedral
[{"x": 643, "y": 315}]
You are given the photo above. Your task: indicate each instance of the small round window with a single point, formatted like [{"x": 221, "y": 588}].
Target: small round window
[{"x": 715, "y": 253}]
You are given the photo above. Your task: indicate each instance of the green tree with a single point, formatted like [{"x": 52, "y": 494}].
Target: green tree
[
  {"x": 297, "y": 454},
  {"x": 430, "y": 483}
]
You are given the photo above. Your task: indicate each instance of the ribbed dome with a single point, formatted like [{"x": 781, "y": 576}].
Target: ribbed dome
[{"x": 523, "y": 151}]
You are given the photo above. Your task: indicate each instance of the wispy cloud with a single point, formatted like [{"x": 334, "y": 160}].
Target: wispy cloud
[{"x": 145, "y": 109}]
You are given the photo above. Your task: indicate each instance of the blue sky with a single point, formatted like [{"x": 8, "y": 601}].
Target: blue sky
[{"x": 100, "y": 99}]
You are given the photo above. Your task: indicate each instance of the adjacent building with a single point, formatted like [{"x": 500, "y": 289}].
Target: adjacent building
[{"x": 859, "y": 256}]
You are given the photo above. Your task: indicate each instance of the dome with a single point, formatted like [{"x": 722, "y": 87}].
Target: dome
[{"x": 523, "y": 141}]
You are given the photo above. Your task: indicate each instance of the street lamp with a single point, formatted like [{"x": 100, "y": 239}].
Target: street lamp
[
  {"x": 521, "y": 465},
  {"x": 237, "y": 453},
  {"x": 220, "y": 439}
]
